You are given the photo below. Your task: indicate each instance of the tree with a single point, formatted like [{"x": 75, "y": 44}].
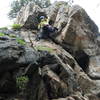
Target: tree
[{"x": 16, "y": 5}]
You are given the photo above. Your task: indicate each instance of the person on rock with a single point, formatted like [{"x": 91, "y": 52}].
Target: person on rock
[
  {"x": 46, "y": 29},
  {"x": 43, "y": 21}
]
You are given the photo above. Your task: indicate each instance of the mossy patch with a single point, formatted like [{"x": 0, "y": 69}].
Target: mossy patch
[
  {"x": 44, "y": 48},
  {"x": 21, "y": 41},
  {"x": 22, "y": 82},
  {"x": 16, "y": 26}
]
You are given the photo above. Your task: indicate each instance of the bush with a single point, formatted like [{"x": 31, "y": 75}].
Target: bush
[
  {"x": 16, "y": 26},
  {"x": 20, "y": 41},
  {"x": 22, "y": 82}
]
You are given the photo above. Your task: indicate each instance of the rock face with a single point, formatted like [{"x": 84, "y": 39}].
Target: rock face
[
  {"x": 57, "y": 68},
  {"x": 52, "y": 74},
  {"x": 13, "y": 57},
  {"x": 29, "y": 16},
  {"x": 52, "y": 11},
  {"x": 79, "y": 34}
]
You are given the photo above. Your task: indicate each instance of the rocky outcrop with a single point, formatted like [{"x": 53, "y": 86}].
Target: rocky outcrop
[
  {"x": 13, "y": 57},
  {"x": 57, "y": 68},
  {"x": 52, "y": 72},
  {"x": 79, "y": 35}
]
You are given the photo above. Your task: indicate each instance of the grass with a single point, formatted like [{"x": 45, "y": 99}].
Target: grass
[
  {"x": 16, "y": 26},
  {"x": 20, "y": 41},
  {"x": 22, "y": 82},
  {"x": 44, "y": 48}
]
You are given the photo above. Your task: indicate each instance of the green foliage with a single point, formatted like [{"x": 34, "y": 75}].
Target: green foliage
[
  {"x": 2, "y": 34},
  {"x": 20, "y": 41},
  {"x": 10, "y": 35},
  {"x": 16, "y": 5},
  {"x": 3, "y": 28},
  {"x": 16, "y": 26},
  {"x": 22, "y": 82},
  {"x": 44, "y": 48}
]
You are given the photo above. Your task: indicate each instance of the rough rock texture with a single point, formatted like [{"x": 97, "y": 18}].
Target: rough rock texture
[
  {"x": 57, "y": 68},
  {"x": 52, "y": 74},
  {"x": 52, "y": 11},
  {"x": 29, "y": 16},
  {"x": 59, "y": 73},
  {"x": 13, "y": 57},
  {"x": 79, "y": 34}
]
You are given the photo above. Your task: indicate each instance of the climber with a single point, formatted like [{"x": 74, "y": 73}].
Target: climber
[
  {"x": 43, "y": 21},
  {"x": 46, "y": 29}
]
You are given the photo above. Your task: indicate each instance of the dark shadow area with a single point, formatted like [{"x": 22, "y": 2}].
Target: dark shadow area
[
  {"x": 82, "y": 59},
  {"x": 33, "y": 21}
]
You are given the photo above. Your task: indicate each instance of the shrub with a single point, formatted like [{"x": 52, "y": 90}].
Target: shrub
[
  {"x": 16, "y": 26},
  {"x": 22, "y": 82},
  {"x": 20, "y": 41}
]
